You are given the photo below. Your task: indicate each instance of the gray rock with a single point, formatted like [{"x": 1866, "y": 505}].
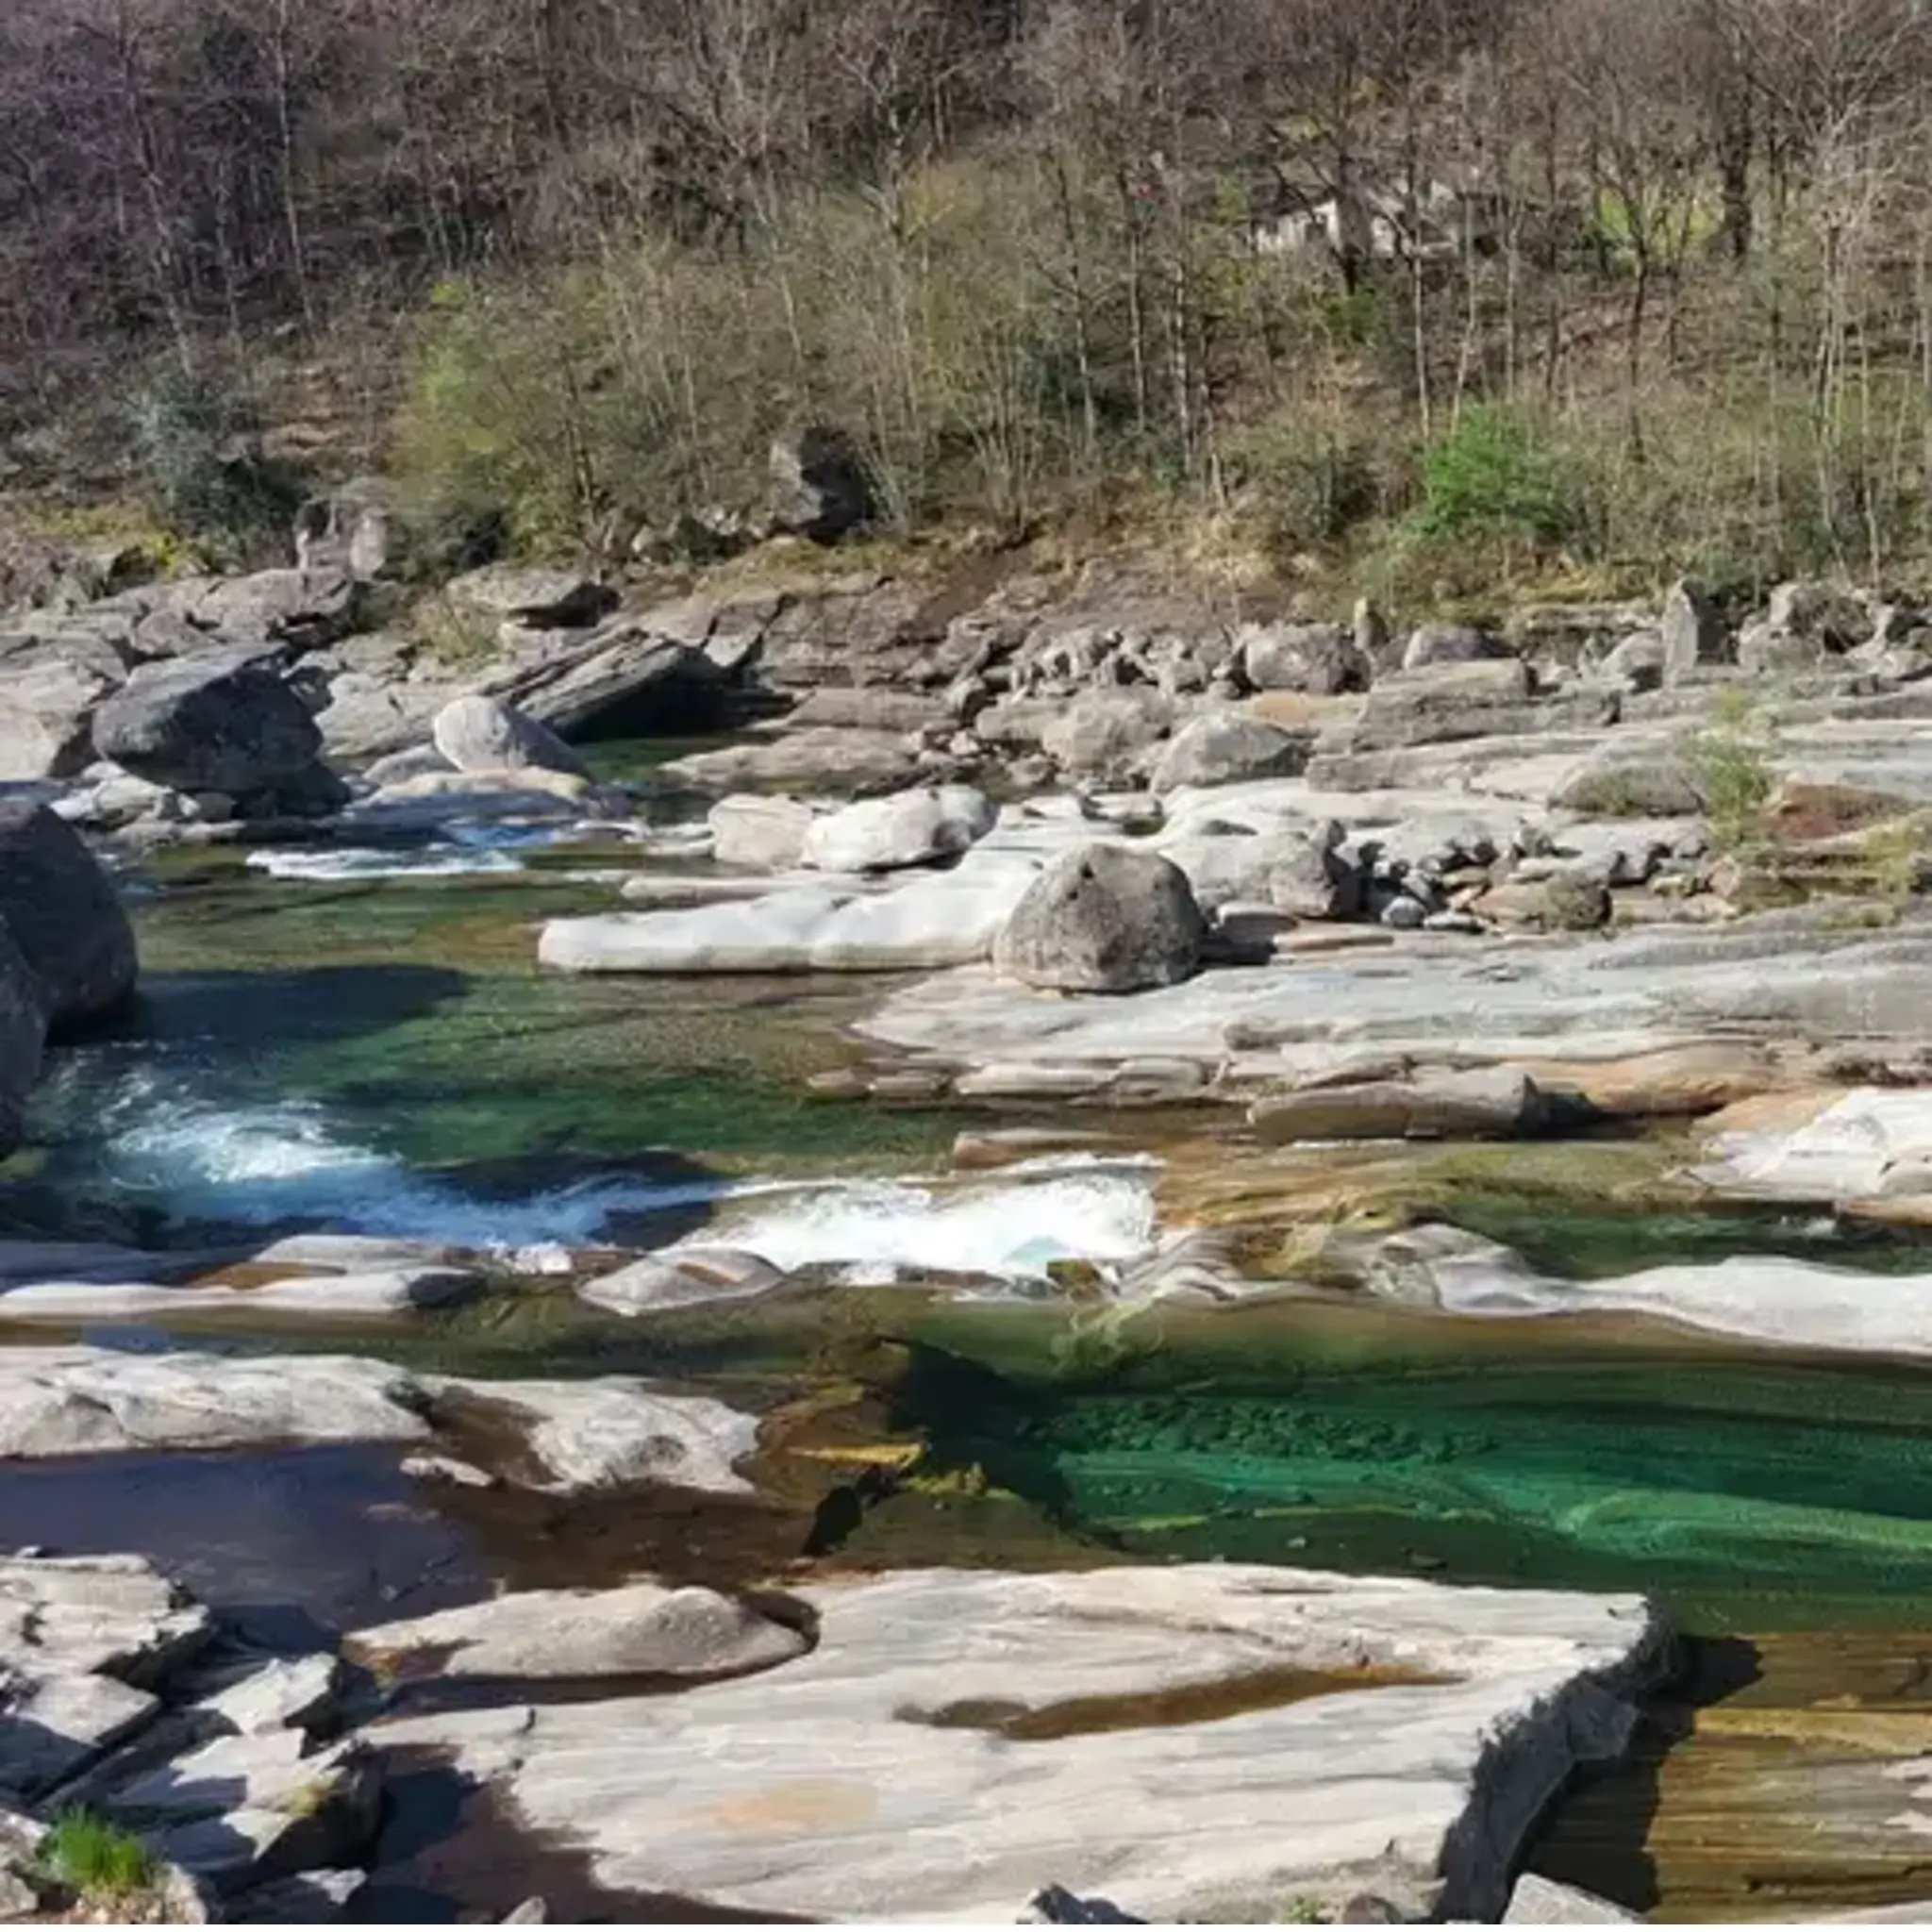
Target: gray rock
[
  {"x": 275, "y": 1694},
  {"x": 680, "y": 1277},
  {"x": 1320, "y": 658},
  {"x": 1820, "y": 614},
  {"x": 1107, "y": 734},
  {"x": 905, "y": 828},
  {"x": 292, "y": 610},
  {"x": 1221, "y": 748},
  {"x": 1692, "y": 630},
  {"x": 822, "y": 758},
  {"x": 1567, "y": 900},
  {"x": 23, "y": 1036},
  {"x": 1486, "y": 1102},
  {"x": 1402, "y": 912},
  {"x": 1763, "y": 646},
  {"x": 345, "y": 531},
  {"x": 476, "y": 733},
  {"x": 620, "y": 678},
  {"x": 1451, "y": 644},
  {"x": 763, "y": 833},
  {"x": 18, "y": 1899},
  {"x": 1640, "y": 663},
  {"x": 368, "y": 717},
  {"x": 1538, "y": 1901},
  {"x": 209, "y": 724},
  {"x": 1054, "y": 1905},
  {"x": 537, "y": 599},
  {"x": 1299, "y": 874},
  {"x": 64, "y": 916},
  {"x": 1103, "y": 918},
  {"x": 870, "y": 707},
  {"x": 838, "y": 1776},
  {"x": 51, "y": 1729},
  {"x": 1621, "y": 784},
  {"x": 640, "y": 1629},
  {"x": 533, "y": 1911},
  {"x": 47, "y": 716},
  {"x": 820, "y": 487},
  {"x": 1443, "y": 703},
  {"x": 305, "y": 1898}
]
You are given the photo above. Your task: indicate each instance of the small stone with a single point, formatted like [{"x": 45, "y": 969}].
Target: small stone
[{"x": 1403, "y": 914}]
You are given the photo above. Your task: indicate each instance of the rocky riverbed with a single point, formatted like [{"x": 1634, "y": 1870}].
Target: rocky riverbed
[{"x": 1103, "y": 1257}]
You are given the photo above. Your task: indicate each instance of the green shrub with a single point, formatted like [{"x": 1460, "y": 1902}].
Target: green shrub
[
  {"x": 1491, "y": 477},
  {"x": 88, "y": 1855}
]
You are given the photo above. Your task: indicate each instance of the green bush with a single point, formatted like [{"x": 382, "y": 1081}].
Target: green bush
[{"x": 1491, "y": 477}]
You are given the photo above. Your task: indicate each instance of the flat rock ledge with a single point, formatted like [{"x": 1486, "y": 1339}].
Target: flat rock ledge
[
  {"x": 1204, "y": 1742},
  {"x": 119, "y": 1693},
  {"x": 76, "y": 1400}
]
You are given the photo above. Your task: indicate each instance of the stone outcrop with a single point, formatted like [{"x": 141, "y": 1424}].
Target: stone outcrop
[{"x": 1222, "y": 748}]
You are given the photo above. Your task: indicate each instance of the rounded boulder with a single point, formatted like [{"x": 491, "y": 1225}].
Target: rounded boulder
[{"x": 1103, "y": 918}]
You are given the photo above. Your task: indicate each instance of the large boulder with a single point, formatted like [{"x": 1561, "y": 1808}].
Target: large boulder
[
  {"x": 1482, "y": 699},
  {"x": 294, "y": 610},
  {"x": 820, "y": 487},
  {"x": 1319, "y": 659},
  {"x": 908, "y": 828},
  {"x": 63, "y": 914},
  {"x": 1220, "y": 748},
  {"x": 22, "y": 1033},
  {"x": 482, "y": 734},
  {"x": 213, "y": 724},
  {"x": 1823, "y": 614},
  {"x": 1302, "y": 873},
  {"x": 1103, "y": 918}
]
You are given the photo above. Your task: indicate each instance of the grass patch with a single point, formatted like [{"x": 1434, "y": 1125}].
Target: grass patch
[{"x": 92, "y": 1855}]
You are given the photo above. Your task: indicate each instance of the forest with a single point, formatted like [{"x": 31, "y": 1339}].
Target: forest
[{"x": 1441, "y": 289}]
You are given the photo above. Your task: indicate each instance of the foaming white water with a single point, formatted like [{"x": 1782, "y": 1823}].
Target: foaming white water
[
  {"x": 282, "y": 1162},
  {"x": 371, "y": 862},
  {"x": 1013, "y": 1227}
]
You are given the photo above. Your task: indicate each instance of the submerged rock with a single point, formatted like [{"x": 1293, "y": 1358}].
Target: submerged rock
[
  {"x": 1103, "y": 918},
  {"x": 64, "y": 915}
]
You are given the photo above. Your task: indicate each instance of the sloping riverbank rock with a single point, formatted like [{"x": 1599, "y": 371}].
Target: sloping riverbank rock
[
  {"x": 621, "y": 679},
  {"x": 216, "y": 723},
  {"x": 541, "y": 599},
  {"x": 325, "y": 1297},
  {"x": 75, "y": 1400},
  {"x": 643, "y": 1629},
  {"x": 905, "y": 830},
  {"x": 64, "y": 915},
  {"x": 953, "y": 1736},
  {"x": 1103, "y": 918},
  {"x": 482, "y": 734}
]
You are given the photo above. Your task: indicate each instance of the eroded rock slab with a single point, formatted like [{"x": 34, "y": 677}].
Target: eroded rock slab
[{"x": 955, "y": 1735}]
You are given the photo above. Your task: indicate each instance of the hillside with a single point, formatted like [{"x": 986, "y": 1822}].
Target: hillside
[{"x": 1425, "y": 295}]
